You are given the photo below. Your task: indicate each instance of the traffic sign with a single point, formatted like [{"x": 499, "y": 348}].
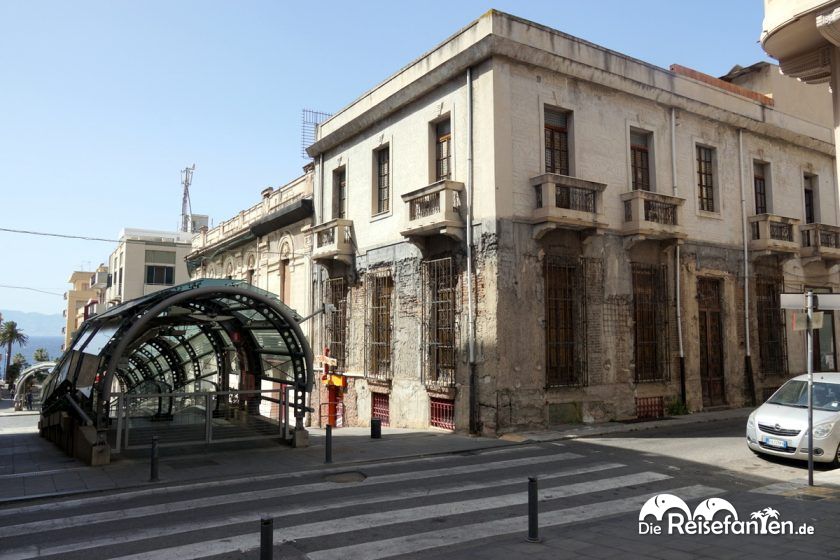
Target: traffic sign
[
  {"x": 326, "y": 360},
  {"x": 799, "y": 320},
  {"x": 821, "y": 301}
]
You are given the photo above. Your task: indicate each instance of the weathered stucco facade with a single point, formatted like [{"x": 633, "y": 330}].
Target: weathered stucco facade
[{"x": 612, "y": 204}]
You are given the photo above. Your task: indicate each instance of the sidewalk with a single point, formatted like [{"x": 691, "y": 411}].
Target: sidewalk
[{"x": 31, "y": 467}]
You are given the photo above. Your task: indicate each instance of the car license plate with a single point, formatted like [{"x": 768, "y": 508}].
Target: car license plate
[{"x": 774, "y": 442}]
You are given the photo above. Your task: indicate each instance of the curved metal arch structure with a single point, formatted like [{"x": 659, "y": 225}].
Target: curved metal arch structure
[
  {"x": 219, "y": 334},
  {"x": 33, "y": 376}
]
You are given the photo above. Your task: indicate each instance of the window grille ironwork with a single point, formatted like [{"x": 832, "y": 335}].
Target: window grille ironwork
[
  {"x": 573, "y": 198},
  {"x": 380, "y": 288},
  {"x": 650, "y": 407},
  {"x": 781, "y": 232},
  {"x": 383, "y": 180},
  {"x": 640, "y": 160},
  {"x": 760, "y": 188},
  {"x": 772, "y": 341},
  {"x": 828, "y": 238},
  {"x": 756, "y": 230},
  {"x": 628, "y": 211},
  {"x": 443, "y": 150},
  {"x": 651, "y": 330},
  {"x": 556, "y": 142},
  {"x": 565, "y": 321},
  {"x": 705, "y": 178},
  {"x": 325, "y": 237},
  {"x": 440, "y": 325},
  {"x": 381, "y": 408},
  {"x": 336, "y": 322},
  {"x": 661, "y": 212},
  {"x": 442, "y": 413},
  {"x": 424, "y": 206}
]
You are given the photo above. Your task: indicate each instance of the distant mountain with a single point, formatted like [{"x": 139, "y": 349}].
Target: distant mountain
[{"x": 35, "y": 324}]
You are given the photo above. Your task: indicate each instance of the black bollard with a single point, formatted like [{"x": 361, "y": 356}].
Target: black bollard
[
  {"x": 154, "y": 475},
  {"x": 328, "y": 458},
  {"x": 533, "y": 512},
  {"x": 375, "y": 428},
  {"x": 266, "y": 538}
]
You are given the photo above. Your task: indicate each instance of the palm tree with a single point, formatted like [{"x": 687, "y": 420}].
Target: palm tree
[{"x": 10, "y": 335}]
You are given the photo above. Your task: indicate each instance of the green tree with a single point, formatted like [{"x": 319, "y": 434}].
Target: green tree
[
  {"x": 10, "y": 335},
  {"x": 41, "y": 355}
]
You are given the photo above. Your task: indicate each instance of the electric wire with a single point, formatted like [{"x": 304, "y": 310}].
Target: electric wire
[
  {"x": 62, "y": 235},
  {"x": 30, "y": 289}
]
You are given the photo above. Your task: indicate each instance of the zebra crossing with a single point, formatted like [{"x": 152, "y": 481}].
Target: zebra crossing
[{"x": 390, "y": 509}]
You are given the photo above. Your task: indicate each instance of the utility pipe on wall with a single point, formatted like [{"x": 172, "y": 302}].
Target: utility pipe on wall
[
  {"x": 473, "y": 394},
  {"x": 747, "y": 357},
  {"x": 677, "y": 275}
]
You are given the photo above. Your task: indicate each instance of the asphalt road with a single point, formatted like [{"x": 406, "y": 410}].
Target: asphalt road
[{"x": 470, "y": 505}]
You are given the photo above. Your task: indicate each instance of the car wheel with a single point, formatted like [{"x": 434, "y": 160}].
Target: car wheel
[{"x": 836, "y": 462}]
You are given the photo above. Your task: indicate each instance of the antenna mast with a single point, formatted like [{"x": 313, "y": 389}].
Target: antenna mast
[{"x": 186, "y": 207}]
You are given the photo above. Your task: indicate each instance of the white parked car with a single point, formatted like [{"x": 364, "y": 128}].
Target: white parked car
[{"x": 780, "y": 426}]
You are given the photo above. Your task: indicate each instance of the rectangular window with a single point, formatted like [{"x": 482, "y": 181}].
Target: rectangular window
[
  {"x": 439, "y": 321},
  {"x": 565, "y": 327},
  {"x": 557, "y": 141},
  {"x": 160, "y": 257},
  {"x": 380, "y": 286},
  {"x": 810, "y": 207},
  {"x": 336, "y": 322},
  {"x": 340, "y": 193},
  {"x": 705, "y": 178},
  {"x": 760, "y": 183},
  {"x": 443, "y": 150},
  {"x": 160, "y": 275},
  {"x": 640, "y": 160},
  {"x": 771, "y": 325},
  {"x": 650, "y": 314},
  {"x": 383, "y": 180}
]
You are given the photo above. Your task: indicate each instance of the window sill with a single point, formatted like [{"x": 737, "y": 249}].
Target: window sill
[
  {"x": 380, "y": 216},
  {"x": 707, "y": 214}
]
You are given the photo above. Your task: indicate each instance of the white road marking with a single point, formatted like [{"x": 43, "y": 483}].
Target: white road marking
[
  {"x": 457, "y": 535},
  {"x": 152, "y": 533},
  {"x": 250, "y": 541},
  {"x": 154, "y": 490},
  {"x": 283, "y": 491}
]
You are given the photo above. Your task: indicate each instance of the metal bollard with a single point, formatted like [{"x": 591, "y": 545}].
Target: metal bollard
[
  {"x": 266, "y": 538},
  {"x": 533, "y": 512},
  {"x": 328, "y": 458},
  {"x": 375, "y": 428},
  {"x": 154, "y": 474}
]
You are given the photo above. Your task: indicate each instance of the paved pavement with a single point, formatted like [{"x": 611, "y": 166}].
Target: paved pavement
[
  {"x": 31, "y": 467},
  {"x": 413, "y": 494}
]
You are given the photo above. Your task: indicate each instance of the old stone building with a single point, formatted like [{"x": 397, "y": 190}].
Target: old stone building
[
  {"x": 264, "y": 245},
  {"x": 521, "y": 228}
]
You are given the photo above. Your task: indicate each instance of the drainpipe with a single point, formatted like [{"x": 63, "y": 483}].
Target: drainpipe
[
  {"x": 677, "y": 274},
  {"x": 469, "y": 236},
  {"x": 748, "y": 373}
]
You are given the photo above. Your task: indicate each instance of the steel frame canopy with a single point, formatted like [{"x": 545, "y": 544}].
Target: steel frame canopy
[{"x": 187, "y": 336}]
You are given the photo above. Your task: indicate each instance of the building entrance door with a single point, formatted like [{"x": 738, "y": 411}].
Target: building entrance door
[{"x": 711, "y": 342}]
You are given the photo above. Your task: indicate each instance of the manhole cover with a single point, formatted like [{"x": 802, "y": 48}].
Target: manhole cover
[{"x": 344, "y": 477}]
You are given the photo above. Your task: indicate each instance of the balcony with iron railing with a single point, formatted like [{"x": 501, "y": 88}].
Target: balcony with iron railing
[
  {"x": 564, "y": 202},
  {"x": 333, "y": 240},
  {"x": 774, "y": 234},
  {"x": 653, "y": 215},
  {"x": 820, "y": 241},
  {"x": 435, "y": 210}
]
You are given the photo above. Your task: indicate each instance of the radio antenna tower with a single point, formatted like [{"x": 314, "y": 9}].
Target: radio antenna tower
[{"x": 186, "y": 208}]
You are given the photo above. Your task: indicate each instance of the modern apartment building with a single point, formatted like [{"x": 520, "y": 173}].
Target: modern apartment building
[
  {"x": 78, "y": 298},
  {"x": 146, "y": 261},
  {"x": 522, "y": 228}
]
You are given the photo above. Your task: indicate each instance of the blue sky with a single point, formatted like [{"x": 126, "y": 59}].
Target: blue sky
[{"x": 103, "y": 103}]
